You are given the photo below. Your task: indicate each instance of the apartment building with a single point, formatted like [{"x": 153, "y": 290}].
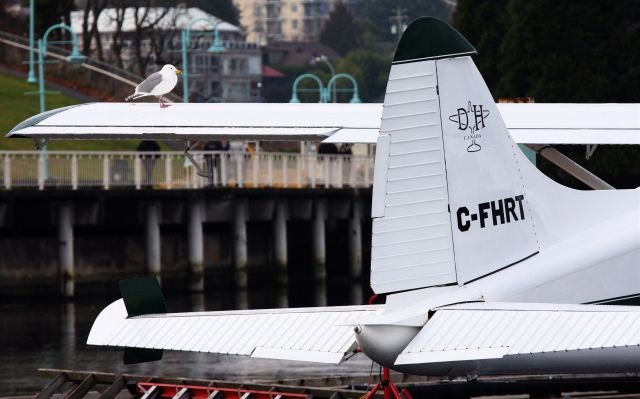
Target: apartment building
[{"x": 267, "y": 21}]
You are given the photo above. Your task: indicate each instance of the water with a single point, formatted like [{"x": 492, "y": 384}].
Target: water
[{"x": 44, "y": 333}]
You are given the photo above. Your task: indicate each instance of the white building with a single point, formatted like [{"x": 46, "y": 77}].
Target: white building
[{"x": 233, "y": 76}]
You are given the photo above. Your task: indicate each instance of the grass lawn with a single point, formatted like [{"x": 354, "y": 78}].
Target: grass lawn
[{"x": 15, "y": 106}]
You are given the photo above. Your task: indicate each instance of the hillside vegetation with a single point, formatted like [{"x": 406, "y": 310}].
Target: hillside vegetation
[{"x": 15, "y": 106}]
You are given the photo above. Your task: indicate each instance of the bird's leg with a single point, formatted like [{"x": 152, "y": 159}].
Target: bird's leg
[{"x": 162, "y": 103}]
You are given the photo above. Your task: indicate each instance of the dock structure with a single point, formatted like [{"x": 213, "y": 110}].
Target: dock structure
[
  {"x": 196, "y": 245},
  {"x": 86, "y": 192},
  {"x": 70, "y": 384},
  {"x": 179, "y": 233},
  {"x": 65, "y": 250},
  {"x": 152, "y": 218}
]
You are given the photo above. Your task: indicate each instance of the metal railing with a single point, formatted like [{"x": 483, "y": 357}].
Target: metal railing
[{"x": 166, "y": 170}]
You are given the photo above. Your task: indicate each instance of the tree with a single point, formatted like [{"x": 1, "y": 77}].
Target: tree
[
  {"x": 379, "y": 12},
  {"x": 340, "y": 32},
  {"x": 51, "y": 12},
  {"x": 575, "y": 51},
  {"x": 223, "y": 9},
  {"x": 572, "y": 51},
  {"x": 483, "y": 23},
  {"x": 92, "y": 10},
  {"x": 371, "y": 71}
]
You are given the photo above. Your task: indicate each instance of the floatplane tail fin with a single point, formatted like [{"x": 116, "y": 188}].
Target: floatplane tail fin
[
  {"x": 454, "y": 198},
  {"x": 449, "y": 204}
]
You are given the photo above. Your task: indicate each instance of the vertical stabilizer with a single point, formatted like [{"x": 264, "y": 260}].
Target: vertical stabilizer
[
  {"x": 491, "y": 221},
  {"x": 449, "y": 204}
]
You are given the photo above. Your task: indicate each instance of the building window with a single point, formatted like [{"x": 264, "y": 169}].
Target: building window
[
  {"x": 239, "y": 90},
  {"x": 213, "y": 64},
  {"x": 257, "y": 11},
  {"x": 202, "y": 63},
  {"x": 294, "y": 7},
  {"x": 255, "y": 66},
  {"x": 215, "y": 89},
  {"x": 294, "y": 24}
]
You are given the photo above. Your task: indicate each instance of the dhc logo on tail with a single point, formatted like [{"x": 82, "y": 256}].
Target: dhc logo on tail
[
  {"x": 477, "y": 114},
  {"x": 496, "y": 212}
]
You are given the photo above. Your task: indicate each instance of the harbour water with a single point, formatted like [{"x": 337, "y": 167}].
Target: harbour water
[{"x": 44, "y": 332}]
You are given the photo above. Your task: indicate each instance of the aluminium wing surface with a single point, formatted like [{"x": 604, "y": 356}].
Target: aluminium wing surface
[
  {"x": 201, "y": 121},
  {"x": 525, "y": 337},
  {"x": 339, "y": 123},
  {"x": 311, "y": 334}
]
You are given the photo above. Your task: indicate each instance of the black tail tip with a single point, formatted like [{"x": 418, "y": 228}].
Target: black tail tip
[
  {"x": 142, "y": 296},
  {"x": 431, "y": 38}
]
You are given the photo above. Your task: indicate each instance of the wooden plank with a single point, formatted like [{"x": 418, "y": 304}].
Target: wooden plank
[
  {"x": 183, "y": 393},
  {"x": 52, "y": 386},
  {"x": 114, "y": 389},
  {"x": 153, "y": 393},
  {"x": 78, "y": 392},
  {"x": 215, "y": 395}
]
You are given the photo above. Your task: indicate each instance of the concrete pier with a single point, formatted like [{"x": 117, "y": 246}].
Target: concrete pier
[
  {"x": 152, "y": 216},
  {"x": 355, "y": 251},
  {"x": 196, "y": 245},
  {"x": 280, "y": 249},
  {"x": 65, "y": 250},
  {"x": 240, "y": 245},
  {"x": 51, "y": 242},
  {"x": 319, "y": 252}
]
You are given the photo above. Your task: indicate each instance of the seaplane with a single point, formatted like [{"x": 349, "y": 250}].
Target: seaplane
[{"x": 488, "y": 266}]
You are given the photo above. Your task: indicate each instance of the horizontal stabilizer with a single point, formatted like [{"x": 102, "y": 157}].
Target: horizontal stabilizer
[
  {"x": 322, "y": 335},
  {"x": 482, "y": 331}
]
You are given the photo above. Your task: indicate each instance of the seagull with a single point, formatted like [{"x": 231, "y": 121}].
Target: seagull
[{"x": 157, "y": 84}]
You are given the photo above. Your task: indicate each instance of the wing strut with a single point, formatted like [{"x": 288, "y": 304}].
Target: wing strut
[
  {"x": 568, "y": 165},
  {"x": 199, "y": 169}
]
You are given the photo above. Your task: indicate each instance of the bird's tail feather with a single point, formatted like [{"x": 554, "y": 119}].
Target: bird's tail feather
[{"x": 134, "y": 96}]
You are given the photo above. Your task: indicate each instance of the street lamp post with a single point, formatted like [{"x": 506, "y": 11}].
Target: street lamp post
[
  {"x": 324, "y": 92},
  {"x": 325, "y": 59},
  {"x": 74, "y": 58},
  {"x": 216, "y": 47},
  {"x": 321, "y": 90},
  {"x": 31, "y": 77}
]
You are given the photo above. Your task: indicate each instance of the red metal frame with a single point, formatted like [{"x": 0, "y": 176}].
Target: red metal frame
[
  {"x": 389, "y": 388},
  {"x": 168, "y": 391}
]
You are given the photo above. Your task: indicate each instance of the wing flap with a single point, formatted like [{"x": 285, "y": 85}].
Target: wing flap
[
  {"x": 491, "y": 331},
  {"x": 316, "y": 334}
]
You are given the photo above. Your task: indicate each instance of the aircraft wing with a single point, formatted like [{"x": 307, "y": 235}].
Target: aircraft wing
[
  {"x": 259, "y": 121},
  {"x": 339, "y": 123},
  {"x": 323, "y": 334},
  {"x": 484, "y": 331}
]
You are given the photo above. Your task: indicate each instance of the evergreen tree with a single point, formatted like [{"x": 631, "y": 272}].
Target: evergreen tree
[
  {"x": 483, "y": 23},
  {"x": 379, "y": 12},
  {"x": 371, "y": 71},
  {"x": 570, "y": 51},
  {"x": 223, "y": 9},
  {"x": 340, "y": 32},
  {"x": 51, "y": 12}
]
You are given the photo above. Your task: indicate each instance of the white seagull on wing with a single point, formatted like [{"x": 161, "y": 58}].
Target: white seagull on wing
[{"x": 157, "y": 84}]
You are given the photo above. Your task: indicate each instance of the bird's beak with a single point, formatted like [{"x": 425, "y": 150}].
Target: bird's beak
[{"x": 178, "y": 72}]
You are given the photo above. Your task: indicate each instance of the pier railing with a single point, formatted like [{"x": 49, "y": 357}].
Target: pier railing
[{"x": 165, "y": 170}]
